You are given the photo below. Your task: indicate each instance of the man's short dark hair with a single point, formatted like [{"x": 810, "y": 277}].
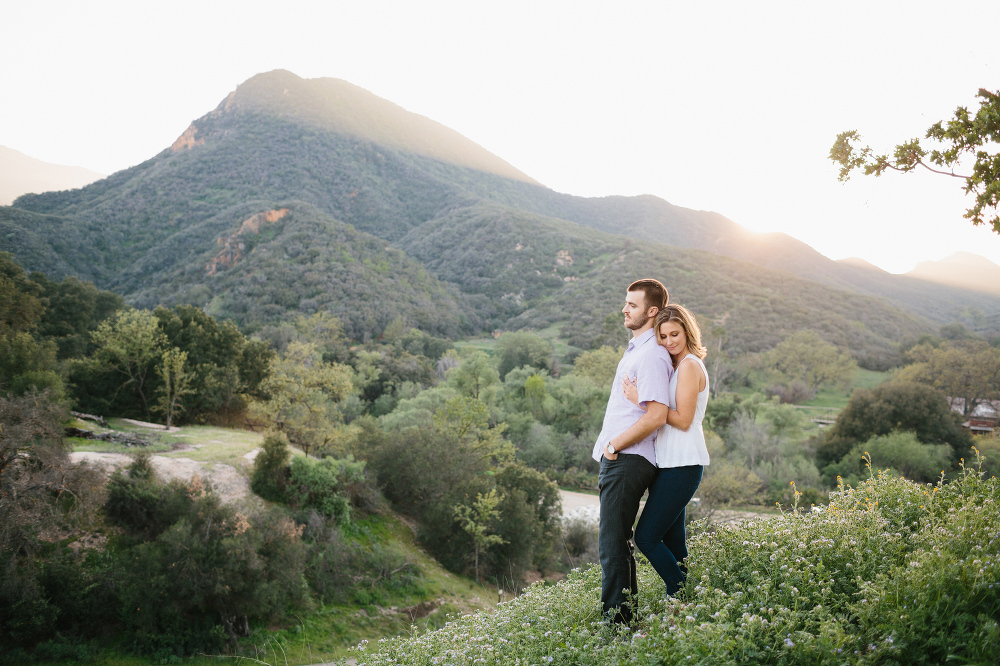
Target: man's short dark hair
[{"x": 656, "y": 295}]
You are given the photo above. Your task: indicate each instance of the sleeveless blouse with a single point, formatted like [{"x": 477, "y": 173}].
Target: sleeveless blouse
[{"x": 680, "y": 448}]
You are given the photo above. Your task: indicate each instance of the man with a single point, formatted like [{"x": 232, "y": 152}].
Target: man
[{"x": 625, "y": 445}]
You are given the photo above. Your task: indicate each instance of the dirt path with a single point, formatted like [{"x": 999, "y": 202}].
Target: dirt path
[
  {"x": 572, "y": 500},
  {"x": 227, "y": 481},
  {"x": 588, "y": 507},
  {"x": 232, "y": 485}
]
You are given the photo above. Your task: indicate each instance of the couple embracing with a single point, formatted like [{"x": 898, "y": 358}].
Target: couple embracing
[{"x": 651, "y": 439}]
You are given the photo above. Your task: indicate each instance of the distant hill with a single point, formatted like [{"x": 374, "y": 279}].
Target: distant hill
[
  {"x": 296, "y": 195},
  {"x": 858, "y": 262},
  {"x": 962, "y": 269},
  {"x": 20, "y": 174},
  {"x": 650, "y": 218},
  {"x": 543, "y": 272}
]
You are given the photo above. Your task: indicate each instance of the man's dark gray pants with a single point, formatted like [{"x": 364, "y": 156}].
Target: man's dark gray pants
[{"x": 622, "y": 483}]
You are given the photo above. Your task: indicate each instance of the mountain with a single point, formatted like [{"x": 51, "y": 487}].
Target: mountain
[
  {"x": 338, "y": 106},
  {"x": 20, "y": 174},
  {"x": 298, "y": 195},
  {"x": 650, "y": 218},
  {"x": 962, "y": 269}
]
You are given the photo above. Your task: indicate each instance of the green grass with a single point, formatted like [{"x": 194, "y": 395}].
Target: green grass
[
  {"x": 214, "y": 445},
  {"x": 892, "y": 572},
  {"x": 157, "y": 443},
  {"x": 203, "y": 444},
  {"x": 80, "y": 444},
  {"x": 829, "y": 401},
  {"x": 327, "y": 631},
  {"x": 871, "y": 378},
  {"x": 582, "y": 491},
  {"x": 486, "y": 344}
]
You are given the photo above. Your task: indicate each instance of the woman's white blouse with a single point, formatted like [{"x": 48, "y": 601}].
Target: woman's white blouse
[{"x": 680, "y": 448}]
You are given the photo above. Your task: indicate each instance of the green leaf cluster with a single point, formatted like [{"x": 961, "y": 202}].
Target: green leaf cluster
[
  {"x": 453, "y": 459},
  {"x": 966, "y": 136},
  {"x": 324, "y": 485}
]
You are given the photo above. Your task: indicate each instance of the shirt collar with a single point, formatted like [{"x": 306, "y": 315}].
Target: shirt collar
[{"x": 640, "y": 339}]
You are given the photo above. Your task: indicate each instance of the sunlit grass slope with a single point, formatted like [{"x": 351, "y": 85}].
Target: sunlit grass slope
[
  {"x": 328, "y": 632},
  {"x": 891, "y": 572}
]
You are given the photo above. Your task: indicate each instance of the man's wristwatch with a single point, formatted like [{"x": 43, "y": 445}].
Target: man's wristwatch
[{"x": 611, "y": 449}]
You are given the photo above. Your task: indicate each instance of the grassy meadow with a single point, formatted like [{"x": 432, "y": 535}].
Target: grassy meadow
[{"x": 891, "y": 572}]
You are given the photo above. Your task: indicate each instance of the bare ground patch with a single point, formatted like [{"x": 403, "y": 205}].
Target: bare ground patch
[{"x": 228, "y": 483}]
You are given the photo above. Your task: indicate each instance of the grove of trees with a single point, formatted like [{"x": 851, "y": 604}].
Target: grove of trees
[{"x": 471, "y": 442}]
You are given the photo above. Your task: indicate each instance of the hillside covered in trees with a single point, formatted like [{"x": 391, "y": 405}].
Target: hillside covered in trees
[
  {"x": 407, "y": 327},
  {"x": 468, "y": 443},
  {"x": 297, "y": 196}
]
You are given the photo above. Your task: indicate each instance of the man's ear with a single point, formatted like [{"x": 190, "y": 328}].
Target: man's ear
[{"x": 652, "y": 312}]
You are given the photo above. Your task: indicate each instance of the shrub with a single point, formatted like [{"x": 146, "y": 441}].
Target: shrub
[
  {"x": 529, "y": 522},
  {"x": 573, "y": 478},
  {"x": 418, "y": 468},
  {"x": 199, "y": 582},
  {"x": 542, "y": 453},
  {"x": 140, "y": 504},
  {"x": 523, "y": 349},
  {"x": 324, "y": 485},
  {"x": 726, "y": 483},
  {"x": 270, "y": 468},
  {"x": 900, "y": 451},
  {"x": 896, "y": 405},
  {"x": 579, "y": 541},
  {"x": 989, "y": 447},
  {"x": 891, "y": 572},
  {"x": 337, "y": 567},
  {"x": 790, "y": 393},
  {"x": 41, "y": 493}
]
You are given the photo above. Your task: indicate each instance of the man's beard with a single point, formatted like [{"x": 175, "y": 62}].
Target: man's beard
[{"x": 637, "y": 322}]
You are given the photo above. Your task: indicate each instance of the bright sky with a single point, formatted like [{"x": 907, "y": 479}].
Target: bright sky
[{"x": 725, "y": 106}]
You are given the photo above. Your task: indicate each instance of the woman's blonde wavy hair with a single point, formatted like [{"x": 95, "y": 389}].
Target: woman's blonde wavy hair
[{"x": 682, "y": 316}]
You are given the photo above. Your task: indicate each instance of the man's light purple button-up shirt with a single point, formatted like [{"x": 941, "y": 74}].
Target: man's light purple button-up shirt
[{"x": 648, "y": 365}]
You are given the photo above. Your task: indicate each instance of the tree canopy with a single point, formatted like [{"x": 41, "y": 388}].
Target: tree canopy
[
  {"x": 523, "y": 348},
  {"x": 807, "y": 358},
  {"x": 302, "y": 397},
  {"x": 967, "y": 135},
  {"x": 968, "y": 370},
  {"x": 895, "y": 406}
]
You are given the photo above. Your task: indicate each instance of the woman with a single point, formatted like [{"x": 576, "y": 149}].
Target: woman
[{"x": 681, "y": 453}]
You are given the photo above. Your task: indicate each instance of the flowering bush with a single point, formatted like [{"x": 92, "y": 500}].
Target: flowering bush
[{"x": 890, "y": 572}]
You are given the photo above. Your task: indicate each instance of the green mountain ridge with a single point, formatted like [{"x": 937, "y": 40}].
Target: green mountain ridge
[
  {"x": 470, "y": 250},
  {"x": 650, "y": 218},
  {"x": 303, "y": 262},
  {"x": 557, "y": 273}
]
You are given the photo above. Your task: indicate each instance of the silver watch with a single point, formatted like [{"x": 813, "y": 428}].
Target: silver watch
[{"x": 611, "y": 449}]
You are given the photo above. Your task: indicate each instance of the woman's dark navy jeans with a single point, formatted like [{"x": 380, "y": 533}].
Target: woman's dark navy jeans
[{"x": 660, "y": 532}]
